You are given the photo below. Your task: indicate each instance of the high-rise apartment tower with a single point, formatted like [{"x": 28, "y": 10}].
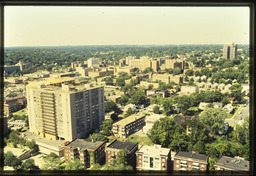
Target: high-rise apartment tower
[
  {"x": 230, "y": 51},
  {"x": 58, "y": 110}
]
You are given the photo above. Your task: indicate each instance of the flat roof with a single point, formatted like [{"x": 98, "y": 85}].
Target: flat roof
[
  {"x": 122, "y": 145},
  {"x": 192, "y": 155},
  {"x": 154, "y": 150},
  {"x": 129, "y": 119},
  {"x": 234, "y": 163},
  {"x": 82, "y": 144}
]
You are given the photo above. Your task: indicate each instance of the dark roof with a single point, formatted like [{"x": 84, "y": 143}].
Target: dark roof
[
  {"x": 234, "y": 163},
  {"x": 192, "y": 155},
  {"x": 180, "y": 119},
  {"x": 83, "y": 145},
  {"x": 120, "y": 145}
]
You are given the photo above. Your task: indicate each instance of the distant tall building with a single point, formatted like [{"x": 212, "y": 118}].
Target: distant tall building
[
  {"x": 230, "y": 51},
  {"x": 58, "y": 111},
  {"x": 92, "y": 62}
]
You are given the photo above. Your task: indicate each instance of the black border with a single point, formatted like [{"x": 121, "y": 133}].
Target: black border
[{"x": 217, "y": 3}]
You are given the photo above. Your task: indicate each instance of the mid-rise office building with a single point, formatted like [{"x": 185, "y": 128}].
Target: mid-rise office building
[
  {"x": 57, "y": 110},
  {"x": 93, "y": 62},
  {"x": 230, "y": 51}
]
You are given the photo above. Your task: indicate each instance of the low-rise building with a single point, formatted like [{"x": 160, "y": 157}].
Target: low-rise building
[
  {"x": 225, "y": 163},
  {"x": 189, "y": 89},
  {"x": 14, "y": 104},
  {"x": 153, "y": 158},
  {"x": 190, "y": 161},
  {"x": 150, "y": 120},
  {"x": 128, "y": 125},
  {"x": 83, "y": 71},
  {"x": 146, "y": 84},
  {"x": 114, "y": 147},
  {"x": 88, "y": 153}
]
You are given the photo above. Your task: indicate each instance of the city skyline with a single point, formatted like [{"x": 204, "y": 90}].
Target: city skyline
[{"x": 64, "y": 26}]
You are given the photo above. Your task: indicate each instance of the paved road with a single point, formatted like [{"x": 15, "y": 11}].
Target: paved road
[{"x": 239, "y": 117}]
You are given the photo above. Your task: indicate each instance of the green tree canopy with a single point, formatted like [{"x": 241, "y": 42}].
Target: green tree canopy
[
  {"x": 74, "y": 165},
  {"x": 213, "y": 118}
]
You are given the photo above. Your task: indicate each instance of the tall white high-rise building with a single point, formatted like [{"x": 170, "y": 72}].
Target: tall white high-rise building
[
  {"x": 230, "y": 51},
  {"x": 93, "y": 62},
  {"x": 57, "y": 110}
]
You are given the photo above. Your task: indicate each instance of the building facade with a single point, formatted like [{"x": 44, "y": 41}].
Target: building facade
[
  {"x": 153, "y": 158},
  {"x": 128, "y": 125},
  {"x": 88, "y": 153},
  {"x": 114, "y": 147},
  {"x": 190, "y": 161},
  {"x": 62, "y": 112}
]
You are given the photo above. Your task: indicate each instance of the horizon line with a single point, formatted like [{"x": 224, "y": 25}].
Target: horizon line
[{"x": 120, "y": 45}]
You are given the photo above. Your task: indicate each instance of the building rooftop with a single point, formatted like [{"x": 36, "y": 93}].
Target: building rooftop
[
  {"x": 234, "y": 163},
  {"x": 129, "y": 119},
  {"x": 179, "y": 119},
  {"x": 82, "y": 144},
  {"x": 154, "y": 117},
  {"x": 192, "y": 155},
  {"x": 154, "y": 150},
  {"x": 121, "y": 145}
]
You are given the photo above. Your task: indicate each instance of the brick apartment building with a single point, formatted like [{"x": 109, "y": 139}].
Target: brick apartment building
[
  {"x": 114, "y": 147},
  {"x": 190, "y": 161},
  {"x": 89, "y": 153}
]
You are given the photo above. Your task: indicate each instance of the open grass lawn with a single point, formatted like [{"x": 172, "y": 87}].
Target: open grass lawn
[{"x": 142, "y": 140}]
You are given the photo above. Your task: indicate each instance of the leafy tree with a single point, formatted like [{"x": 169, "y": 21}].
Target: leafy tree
[
  {"x": 177, "y": 71},
  {"x": 74, "y": 165},
  {"x": 106, "y": 127},
  {"x": 225, "y": 101},
  {"x": 16, "y": 162},
  {"x": 168, "y": 106},
  {"x": 51, "y": 162},
  {"x": 128, "y": 112},
  {"x": 236, "y": 91},
  {"x": 29, "y": 164},
  {"x": 150, "y": 86},
  {"x": 156, "y": 110},
  {"x": 213, "y": 118},
  {"x": 123, "y": 100},
  {"x": 32, "y": 144},
  {"x": 96, "y": 137},
  {"x": 110, "y": 106},
  {"x": 199, "y": 147},
  {"x": 109, "y": 81},
  {"x": 189, "y": 73},
  {"x": 147, "y": 70},
  {"x": 8, "y": 157},
  {"x": 138, "y": 98},
  {"x": 96, "y": 166}
]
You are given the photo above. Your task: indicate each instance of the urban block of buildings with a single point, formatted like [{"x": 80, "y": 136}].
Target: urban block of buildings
[
  {"x": 153, "y": 158},
  {"x": 88, "y": 153},
  {"x": 19, "y": 66},
  {"x": 59, "y": 110}
]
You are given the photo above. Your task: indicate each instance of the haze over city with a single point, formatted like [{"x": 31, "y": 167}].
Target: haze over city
[{"x": 102, "y": 25}]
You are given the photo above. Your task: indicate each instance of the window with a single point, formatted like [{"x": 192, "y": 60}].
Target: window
[{"x": 177, "y": 161}]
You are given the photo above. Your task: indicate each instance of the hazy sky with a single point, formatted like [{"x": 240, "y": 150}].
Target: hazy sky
[{"x": 56, "y": 26}]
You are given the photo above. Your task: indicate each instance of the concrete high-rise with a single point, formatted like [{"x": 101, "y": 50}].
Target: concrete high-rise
[
  {"x": 57, "y": 110},
  {"x": 230, "y": 51}
]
